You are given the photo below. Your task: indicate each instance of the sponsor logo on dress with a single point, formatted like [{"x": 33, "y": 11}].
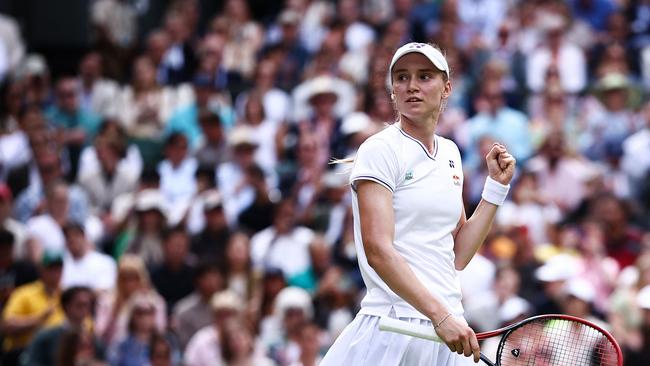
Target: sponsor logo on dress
[
  {"x": 409, "y": 175},
  {"x": 456, "y": 180}
]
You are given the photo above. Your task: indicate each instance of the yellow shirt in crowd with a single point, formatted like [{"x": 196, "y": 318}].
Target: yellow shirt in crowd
[{"x": 30, "y": 300}]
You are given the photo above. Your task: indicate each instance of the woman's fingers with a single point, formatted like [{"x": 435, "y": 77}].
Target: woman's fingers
[{"x": 476, "y": 350}]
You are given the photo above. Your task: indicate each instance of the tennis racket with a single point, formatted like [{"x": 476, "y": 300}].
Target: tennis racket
[{"x": 544, "y": 340}]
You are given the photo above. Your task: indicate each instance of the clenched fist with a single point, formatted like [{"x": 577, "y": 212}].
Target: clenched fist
[{"x": 501, "y": 165}]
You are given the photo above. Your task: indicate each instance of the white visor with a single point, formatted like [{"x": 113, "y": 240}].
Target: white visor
[{"x": 430, "y": 52}]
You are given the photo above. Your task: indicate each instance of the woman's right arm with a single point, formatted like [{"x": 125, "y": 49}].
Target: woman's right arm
[{"x": 377, "y": 232}]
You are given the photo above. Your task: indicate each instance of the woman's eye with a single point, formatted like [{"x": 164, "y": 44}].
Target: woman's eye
[
  {"x": 425, "y": 76},
  {"x": 402, "y": 77}
]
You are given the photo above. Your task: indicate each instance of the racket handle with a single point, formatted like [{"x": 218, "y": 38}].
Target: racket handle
[{"x": 410, "y": 329}]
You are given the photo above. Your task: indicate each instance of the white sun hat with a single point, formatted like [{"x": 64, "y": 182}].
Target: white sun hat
[
  {"x": 581, "y": 289},
  {"x": 433, "y": 54},
  {"x": 643, "y": 298}
]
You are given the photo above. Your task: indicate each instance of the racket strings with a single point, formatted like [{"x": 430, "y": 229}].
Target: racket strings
[{"x": 557, "y": 342}]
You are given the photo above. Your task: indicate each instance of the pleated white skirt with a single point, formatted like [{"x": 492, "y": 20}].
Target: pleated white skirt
[{"x": 362, "y": 343}]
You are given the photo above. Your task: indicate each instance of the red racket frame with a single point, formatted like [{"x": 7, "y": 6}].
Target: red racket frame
[{"x": 484, "y": 335}]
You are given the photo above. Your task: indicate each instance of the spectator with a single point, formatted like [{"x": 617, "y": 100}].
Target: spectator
[
  {"x": 17, "y": 147},
  {"x": 208, "y": 100},
  {"x": 77, "y": 348},
  {"x": 45, "y": 231},
  {"x": 625, "y": 316},
  {"x": 284, "y": 245},
  {"x": 128, "y": 154},
  {"x": 96, "y": 93},
  {"x": 116, "y": 25},
  {"x": 263, "y": 130},
  {"x": 237, "y": 192},
  {"x": 77, "y": 303},
  {"x": 133, "y": 348},
  {"x": 32, "y": 307},
  {"x": 177, "y": 172},
  {"x": 211, "y": 149},
  {"x": 553, "y": 111},
  {"x": 143, "y": 235},
  {"x": 310, "y": 346},
  {"x": 556, "y": 51},
  {"x": 328, "y": 209},
  {"x": 13, "y": 45},
  {"x": 204, "y": 348},
  {"x": 14, "y": 149},
  {"x": 245, "y": 37},
  {"x": 239, "y": 274},
  {"x": 615, "y": 123},
  {"x": 553, "y": 276},
  {"x": 238, "y": 348},
  {"x": 258, "y": 215},
  {"x": 560, "y": 176},
  {"x": 7, "y": 223},
  {"x": 497, "y": 120},
  {"x": 173, "y": 277},
  {"x": 13, "y": 272},
  {"x": 303, "y": 180},
  {"x": 210, "y": 243},
  {"x": 194, "y": 311},
  {"x": 480, "y": 20},
  {"x": 327, "y": 99},
  {"x": 46, "y": 169},
  {"x": 114, "y": 308},
  {"x": 481, "y": 306},
  {"x": 512, "y": 311},
  {"x": 530, "y": 209},
  {"x": 112, "y": 177},
  {"x": 277, "y": 103},
  {"x": 621, "y": 237},
  {"x": 179, "y": 61},
  {"x": 83, "y": 265},
  {"x": 281, "y": 332},
  {"x": 161, "y": 352},
  {"x": 578, "y": 301},
  {"x": 144, "y": 108},
  {"x": 36, "y": 75},
  {"x": 636, "y": 153},
  {"x": 77, "y": 124}
]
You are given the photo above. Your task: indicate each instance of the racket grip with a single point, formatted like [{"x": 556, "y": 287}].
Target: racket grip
[{"x": 410, "y": 329}]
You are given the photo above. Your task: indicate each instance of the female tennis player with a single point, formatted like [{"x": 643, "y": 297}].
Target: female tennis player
[{"x": 411, "y": 231}]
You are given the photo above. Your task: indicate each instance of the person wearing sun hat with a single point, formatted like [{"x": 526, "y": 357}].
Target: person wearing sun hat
[
  {"x": 237, "y": 194},
  {"x": 616, "y": 120},
  {"x": 204, "y": 347}
]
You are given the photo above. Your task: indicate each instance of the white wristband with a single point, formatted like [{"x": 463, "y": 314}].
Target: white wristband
[{"x": 494, "y": 192}]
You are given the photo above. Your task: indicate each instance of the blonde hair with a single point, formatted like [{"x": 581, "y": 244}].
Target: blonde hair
[{"x": 130, "y": 263}]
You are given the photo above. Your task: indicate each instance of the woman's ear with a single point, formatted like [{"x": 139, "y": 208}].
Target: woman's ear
[{"x": 446, "y": 92}]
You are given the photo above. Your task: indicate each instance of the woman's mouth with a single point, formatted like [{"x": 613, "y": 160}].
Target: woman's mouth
[{"x": 413, "y": 100}]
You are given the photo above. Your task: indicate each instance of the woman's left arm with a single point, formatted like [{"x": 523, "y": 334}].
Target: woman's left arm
[{"x": 470, "y": 233}]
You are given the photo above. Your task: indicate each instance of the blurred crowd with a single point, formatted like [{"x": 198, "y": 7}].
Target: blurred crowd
[{"x": 173, "y": 202}]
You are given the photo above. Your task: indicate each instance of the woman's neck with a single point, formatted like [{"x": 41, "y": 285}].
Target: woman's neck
[{"x": 421, "y": 131}]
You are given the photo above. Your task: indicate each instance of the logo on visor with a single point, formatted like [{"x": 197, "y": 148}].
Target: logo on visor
[{"x": 418, "y": 45}]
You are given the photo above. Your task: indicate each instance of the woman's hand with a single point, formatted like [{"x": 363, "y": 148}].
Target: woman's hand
[
  {"x": 459, "y": 337},
  {"x": 501, "y": 165}
]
